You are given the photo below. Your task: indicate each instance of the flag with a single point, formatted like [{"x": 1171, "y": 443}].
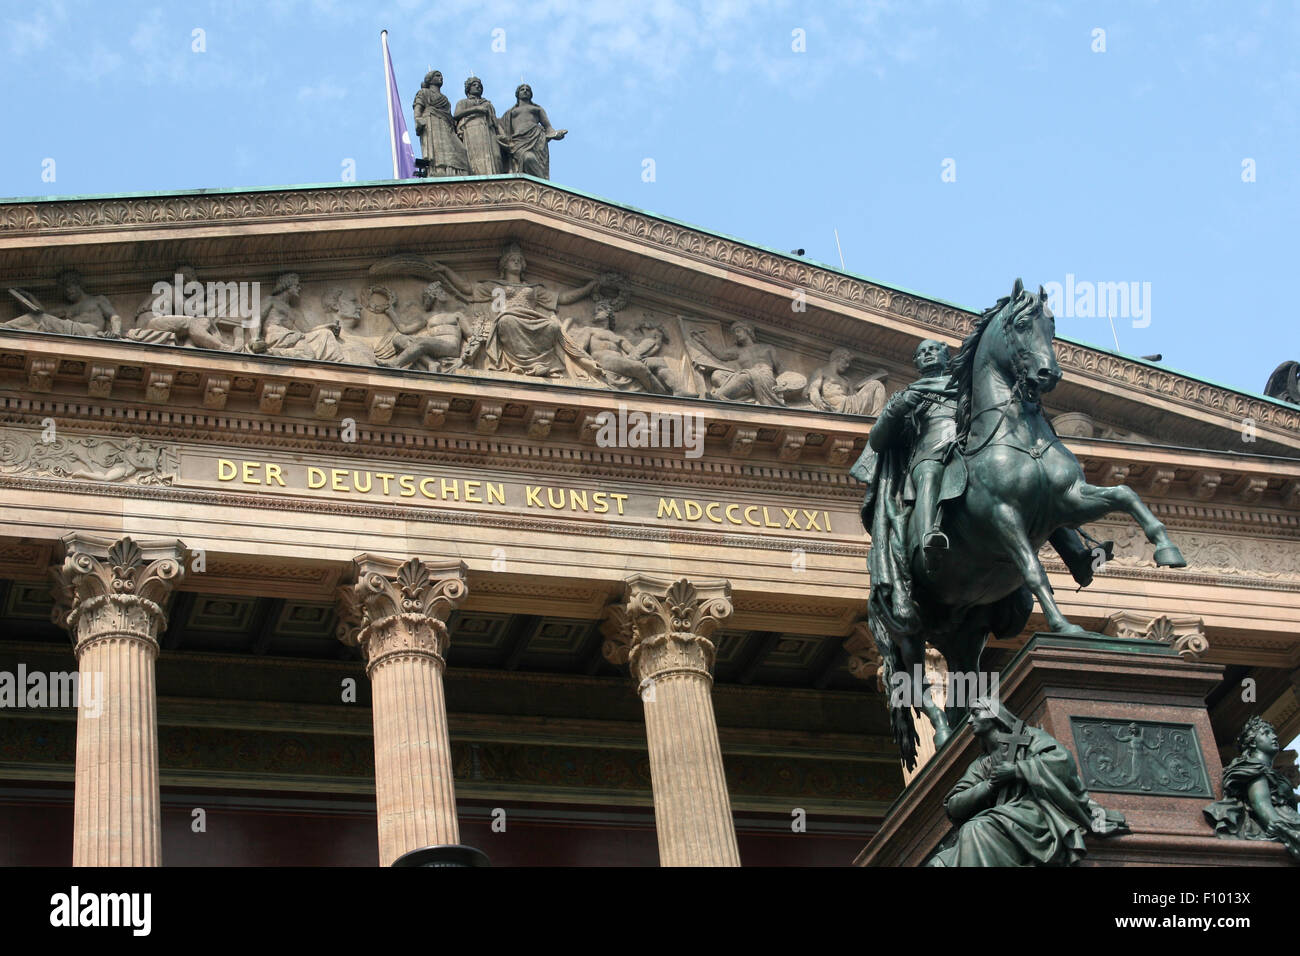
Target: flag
[{"x": 398, "y": 137}]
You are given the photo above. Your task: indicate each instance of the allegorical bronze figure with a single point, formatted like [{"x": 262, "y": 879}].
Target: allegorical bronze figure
[
  {"x": 966, "y": 480},
  {"x": 1021, "y": 803},
  {"x": 1258, "y": 802}
]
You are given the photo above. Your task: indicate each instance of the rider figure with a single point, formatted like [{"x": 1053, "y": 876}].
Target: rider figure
[{"x": 921, "y": 421}]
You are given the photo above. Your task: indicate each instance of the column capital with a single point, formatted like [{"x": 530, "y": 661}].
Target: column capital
[
  {"x": 398, "y": 608},
  {"x": 106, "y": 588},
  {"x": 663, "y": 625}
]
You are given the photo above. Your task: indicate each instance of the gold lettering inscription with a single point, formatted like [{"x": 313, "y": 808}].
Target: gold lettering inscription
[{"x": 554, "y": 498}]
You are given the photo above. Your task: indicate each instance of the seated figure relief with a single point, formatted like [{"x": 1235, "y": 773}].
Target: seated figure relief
[
  {"x": 85, "y": 314},
  {"x": 526, "y": 337},
  {"x": 170, "y": 326},
  {"x": 749, "y": 371},
  {"x": 625, "y": 363},
  {"x": 829, "y": 390},
  {"x": 438, "y": 340},
  {"x": 336, "y": 340},
  {"x": 650, "y": 343}
]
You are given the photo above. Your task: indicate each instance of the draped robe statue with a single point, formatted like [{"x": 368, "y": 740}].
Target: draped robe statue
[
  {"x": 476, "y": 124},
  {"x": 1258, "y": 802},
  {"x": 1021, "y": 803},
  {"x": 526, "y": 133},
  {"x": 527, "y": 337},
  {"x": 437, "y": 130}
]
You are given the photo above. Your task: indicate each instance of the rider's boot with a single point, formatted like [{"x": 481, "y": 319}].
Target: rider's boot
[{"x": 1083, "y": 564}]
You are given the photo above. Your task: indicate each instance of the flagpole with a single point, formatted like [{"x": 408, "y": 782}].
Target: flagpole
[{"x": 388, "y": 100}]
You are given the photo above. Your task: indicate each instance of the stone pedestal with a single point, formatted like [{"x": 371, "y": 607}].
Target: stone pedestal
[
  {"x": 111, "y": 596},
  {"x": 662, "y": 634},
  {"x": 396, "y": 613},
  {"x": 1133, "y": 714}
]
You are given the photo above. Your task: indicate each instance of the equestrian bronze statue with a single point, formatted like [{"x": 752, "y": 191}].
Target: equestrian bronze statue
[{"x": 966, "y": 480}]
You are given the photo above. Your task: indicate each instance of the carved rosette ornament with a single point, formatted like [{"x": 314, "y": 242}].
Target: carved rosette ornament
[
  {"x": 396, "y": 613},
  {"x": 111, "y": 596},
  {"x": 662, "y": 632}
]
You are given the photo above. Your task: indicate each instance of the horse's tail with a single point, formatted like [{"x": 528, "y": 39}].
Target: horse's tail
[{"x": 901, "y": 720}]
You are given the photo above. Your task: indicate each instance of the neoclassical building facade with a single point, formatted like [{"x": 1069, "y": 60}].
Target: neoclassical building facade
[{"x": 480, "y": 511}]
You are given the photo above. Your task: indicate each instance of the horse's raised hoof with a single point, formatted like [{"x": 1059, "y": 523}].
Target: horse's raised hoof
[{"x": 1170, "y": 557}]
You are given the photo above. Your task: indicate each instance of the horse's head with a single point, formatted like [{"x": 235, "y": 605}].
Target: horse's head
[{"x": 1022, "y": 328}]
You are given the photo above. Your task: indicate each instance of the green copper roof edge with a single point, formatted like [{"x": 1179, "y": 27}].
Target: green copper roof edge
[{"x": 228, "y": 190}]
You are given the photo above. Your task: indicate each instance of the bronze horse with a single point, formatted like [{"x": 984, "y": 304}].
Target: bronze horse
[{"x": 1009, "y": 486}]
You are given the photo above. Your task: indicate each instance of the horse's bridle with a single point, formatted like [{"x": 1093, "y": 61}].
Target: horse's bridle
[{"x": 1017, "y": 395}]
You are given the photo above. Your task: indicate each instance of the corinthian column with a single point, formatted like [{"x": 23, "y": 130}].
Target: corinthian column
[
  {"x": 110, "y": 596},
  {"x": 397, "y": 614},
  {"x": 662, "y": 632}
]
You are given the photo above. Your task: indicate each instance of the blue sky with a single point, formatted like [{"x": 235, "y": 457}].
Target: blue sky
[{"x": 1115, "y": 166}]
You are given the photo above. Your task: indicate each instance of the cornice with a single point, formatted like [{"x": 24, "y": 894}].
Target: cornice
[{"x": 377, "y": 202}]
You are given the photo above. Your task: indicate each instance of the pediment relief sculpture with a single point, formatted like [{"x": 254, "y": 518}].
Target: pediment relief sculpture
[{"x": 416, "y": 312}]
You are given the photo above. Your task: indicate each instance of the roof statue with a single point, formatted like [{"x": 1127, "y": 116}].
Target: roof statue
[
  {"x": 474, "y": 140},
  {"x": 1284, "y": 383}
]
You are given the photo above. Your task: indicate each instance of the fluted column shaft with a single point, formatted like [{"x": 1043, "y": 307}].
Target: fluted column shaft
[
  {"x": 111, "y": 597},
  {"x": 662, "y": 633},
  {"x": 397, "y": 615}
]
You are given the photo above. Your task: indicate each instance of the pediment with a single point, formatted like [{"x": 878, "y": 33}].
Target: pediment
[{"x": 348, "y": 245}]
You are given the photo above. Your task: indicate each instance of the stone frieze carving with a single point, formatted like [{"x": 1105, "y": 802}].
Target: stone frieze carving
[
  {"x": 1206, "y": 553},
  {"x": 416, "y": 312},
  {"x": 87, "y": 458}
]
